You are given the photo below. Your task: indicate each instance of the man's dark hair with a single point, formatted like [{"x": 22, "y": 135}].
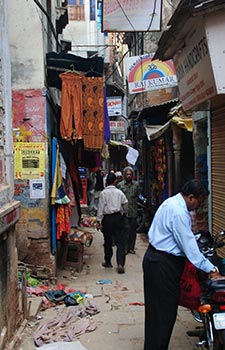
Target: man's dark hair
[
  {"x": 195, "y": 187},
  {"x": 111, "y": 178}
]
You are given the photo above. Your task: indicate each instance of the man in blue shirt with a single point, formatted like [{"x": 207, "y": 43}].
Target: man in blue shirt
[{"x": 170, "y": 241}]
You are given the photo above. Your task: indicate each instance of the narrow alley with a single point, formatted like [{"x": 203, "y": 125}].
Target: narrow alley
[{"x": 120, "y": 322}]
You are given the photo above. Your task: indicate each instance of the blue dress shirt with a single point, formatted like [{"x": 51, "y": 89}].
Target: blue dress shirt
[{"x": 171, "y": 232}]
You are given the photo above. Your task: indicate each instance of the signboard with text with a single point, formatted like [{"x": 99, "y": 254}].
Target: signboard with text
[
  {"x": 194, "y": 70},
  {"x": 145, "y": 74},
  {"x": 114, "y": 105},
  {"x": 131, "y": 16},
  {"x": 117, "y": 126}
]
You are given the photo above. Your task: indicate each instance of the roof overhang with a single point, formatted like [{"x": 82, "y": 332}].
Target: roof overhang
[{"x": 185, "y": 15}]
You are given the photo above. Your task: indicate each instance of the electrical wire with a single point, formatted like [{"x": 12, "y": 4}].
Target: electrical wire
[
  {"x": 49, "y": 20},
  {"x": 135, "y": 43},
  {"x": 128, "y": 19}
]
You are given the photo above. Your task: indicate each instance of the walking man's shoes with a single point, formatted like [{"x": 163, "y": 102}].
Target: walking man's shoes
[
  {"x": 105, "y": 264},
  {"x": 120, "y": 269}
]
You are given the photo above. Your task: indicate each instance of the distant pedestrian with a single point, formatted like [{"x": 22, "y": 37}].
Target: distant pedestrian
[
  {"x": 111, "y": 210},
  {"x": 99, "y": 186},
  {"x": 119, "y": 176},
  {"x": 111, "y": 171},
  {"x": 131, "y": 190}
]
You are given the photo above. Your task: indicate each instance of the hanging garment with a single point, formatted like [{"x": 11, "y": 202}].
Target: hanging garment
[
  {"x": 93, "y": 113},
  {"x": 106, "y": 120},
  {"x": 71, "y": 121},
  {"x": 63, "y": 220}
]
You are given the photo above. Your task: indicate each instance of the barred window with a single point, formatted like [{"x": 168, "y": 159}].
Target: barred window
[
  {"x": 92, "y": 10},
  {"x": 76, "y": 10}
]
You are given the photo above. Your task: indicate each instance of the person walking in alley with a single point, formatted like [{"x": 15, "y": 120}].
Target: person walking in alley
[
  {"x": 112, "y": 207},
  {"x": 131, "y": 190},
  {"x": 171, "y": 240}
]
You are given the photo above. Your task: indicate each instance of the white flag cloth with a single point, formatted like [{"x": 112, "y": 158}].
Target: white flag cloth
[{"x": 132, "y": 155}]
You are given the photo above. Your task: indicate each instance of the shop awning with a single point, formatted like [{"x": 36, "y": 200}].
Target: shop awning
[
  {"x": 185, "y": 123},
  {"x": 117, "y": 143},
  {"x": 155, "y": 131}
]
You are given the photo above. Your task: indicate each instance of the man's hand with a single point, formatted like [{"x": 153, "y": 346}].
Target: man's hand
[
  {"x": 216, "y": 276},
  {"x": 98, "y": 225}
]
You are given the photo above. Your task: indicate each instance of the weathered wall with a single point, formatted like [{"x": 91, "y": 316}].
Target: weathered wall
[
  {"x": 27, "y": 25},
  {"x": 33, "y": 229}
]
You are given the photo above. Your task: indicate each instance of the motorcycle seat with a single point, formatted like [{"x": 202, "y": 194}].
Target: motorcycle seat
[{"x": 215, "y": 284}]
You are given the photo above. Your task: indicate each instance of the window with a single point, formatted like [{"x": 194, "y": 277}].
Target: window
[
  {"x": 92, "y": 10},
  {"x": 76, "y": 10}
]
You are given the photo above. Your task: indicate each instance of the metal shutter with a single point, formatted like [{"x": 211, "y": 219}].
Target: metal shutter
[{"x": 218, "y": 170}]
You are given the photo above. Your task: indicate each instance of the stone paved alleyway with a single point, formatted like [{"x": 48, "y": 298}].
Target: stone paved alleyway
[{"x": 119, "y": 324}]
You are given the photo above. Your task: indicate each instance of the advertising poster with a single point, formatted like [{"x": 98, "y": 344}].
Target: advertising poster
[
  {"x": 37, "y": 189},
  {"x": 29, "y": 160}
]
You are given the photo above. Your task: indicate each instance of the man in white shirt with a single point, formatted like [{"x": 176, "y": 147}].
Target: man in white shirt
[
  {"x": 112, "y": 207},
  {"x": 170, "y": 241}
]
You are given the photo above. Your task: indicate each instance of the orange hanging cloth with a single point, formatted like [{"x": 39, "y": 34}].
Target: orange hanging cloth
[{"x": 93, "y": 113}]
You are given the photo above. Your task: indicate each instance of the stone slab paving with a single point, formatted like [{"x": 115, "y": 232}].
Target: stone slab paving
[{"x": 119, "y": 325}]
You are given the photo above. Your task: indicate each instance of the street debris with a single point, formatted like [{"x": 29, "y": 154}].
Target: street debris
[
  {"x": 73, "y": 322},
  {"x": 63, "y": 346}
]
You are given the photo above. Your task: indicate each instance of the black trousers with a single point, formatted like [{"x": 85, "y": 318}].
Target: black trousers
[
  {"x": 162, "y": 274},
  {"x": 113, "y": 227},
  {"x": 131, "y": 231}
]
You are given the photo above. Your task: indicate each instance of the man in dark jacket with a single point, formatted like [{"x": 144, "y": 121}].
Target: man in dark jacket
[{"x": 131, "y": 190}]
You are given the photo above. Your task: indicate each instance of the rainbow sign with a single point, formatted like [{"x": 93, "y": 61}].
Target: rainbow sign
[{"x": 145, "y": 74}]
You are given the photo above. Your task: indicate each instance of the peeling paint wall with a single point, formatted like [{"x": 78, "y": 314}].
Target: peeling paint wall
[
  {"x": 29, "y": 126},
  {"x": 26, "y": 30}
]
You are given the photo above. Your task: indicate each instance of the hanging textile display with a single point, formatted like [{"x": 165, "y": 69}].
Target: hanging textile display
[
  {"x": 160, "y": 164},
  {"x": 71, "y": 122},
  {"x": 93, "y": 113},
  {"x": 82, "y": 110}
]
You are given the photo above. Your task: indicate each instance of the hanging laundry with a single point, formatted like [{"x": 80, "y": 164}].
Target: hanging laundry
[
  {"x": 58, "y": 194},
  {"x": 63, "y": 220},
  {"x": 71, "y": 121},
  {"x": 106, "y": 120},
  {"x": 93, "y": 113}
]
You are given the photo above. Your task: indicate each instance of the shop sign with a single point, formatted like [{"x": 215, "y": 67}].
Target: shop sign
[
  {"x": 194, "y": 70},
  {"x": 117, "y": 126},
  {"x": 215, "y": 29},
  {"x": 145, "y": 74},
  {"x": 131, "y": 16},
  {"x": 114, "y": 105}
]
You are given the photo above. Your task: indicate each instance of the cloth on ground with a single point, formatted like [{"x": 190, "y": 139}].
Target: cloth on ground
[{"x": 67, "y": 325}]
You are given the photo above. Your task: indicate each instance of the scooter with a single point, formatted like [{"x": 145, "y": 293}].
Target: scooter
[
  {"x": 145, "y": 214},
  {"x": 211, "y": 312}
]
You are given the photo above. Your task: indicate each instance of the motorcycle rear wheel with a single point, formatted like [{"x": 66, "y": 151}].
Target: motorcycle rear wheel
[
  {"x": 215, "y": 340},
  {"x": 141, "y": 221}
]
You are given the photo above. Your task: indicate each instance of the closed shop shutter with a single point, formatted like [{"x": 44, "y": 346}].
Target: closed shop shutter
[{"x": 218, "y": 170}]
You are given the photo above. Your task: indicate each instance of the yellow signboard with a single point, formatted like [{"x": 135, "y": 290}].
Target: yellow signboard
[{"x": 29, "y": 160}]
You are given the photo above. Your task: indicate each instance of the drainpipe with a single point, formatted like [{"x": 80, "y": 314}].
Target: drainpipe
[{"x": 53, "y": 212}]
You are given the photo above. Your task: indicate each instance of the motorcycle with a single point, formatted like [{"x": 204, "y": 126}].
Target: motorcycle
[
  {"x": 211, "y": 312},
  {"x": 145, "y": 214}
]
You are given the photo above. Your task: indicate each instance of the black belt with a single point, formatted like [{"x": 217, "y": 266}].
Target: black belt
[
  {"x": 117, "y": 213},
  {"x": 168, "y": 255}
]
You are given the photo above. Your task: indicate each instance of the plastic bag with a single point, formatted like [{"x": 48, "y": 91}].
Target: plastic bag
[{"x": 190, "y": 288}]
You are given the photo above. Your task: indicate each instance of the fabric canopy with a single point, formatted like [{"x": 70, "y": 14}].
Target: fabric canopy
[
  {"x": 155, "y": 131},
  {"x": 185, "y": 123}
]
